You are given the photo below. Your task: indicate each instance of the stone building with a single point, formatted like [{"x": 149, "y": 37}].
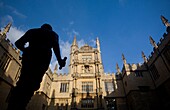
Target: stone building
[
  {"x": 10, "y": 66},
  {"x": 87, "y": 87}
]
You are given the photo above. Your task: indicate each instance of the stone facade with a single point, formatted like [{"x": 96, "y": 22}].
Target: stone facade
[
  {"x": 10, "y": 66},
  {"x": 86, "y": 87}
]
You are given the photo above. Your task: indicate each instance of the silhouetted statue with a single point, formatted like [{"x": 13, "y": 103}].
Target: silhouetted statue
[{"x": 35, "y": 62}]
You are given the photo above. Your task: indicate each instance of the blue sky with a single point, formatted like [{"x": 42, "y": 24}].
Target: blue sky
[{"x": 122, "y": 26}]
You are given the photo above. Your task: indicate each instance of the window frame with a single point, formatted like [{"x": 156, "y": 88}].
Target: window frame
[{"x": 64, "y": 87}]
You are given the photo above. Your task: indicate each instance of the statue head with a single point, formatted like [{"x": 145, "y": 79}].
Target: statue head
[{"x": 46, "y": 26}]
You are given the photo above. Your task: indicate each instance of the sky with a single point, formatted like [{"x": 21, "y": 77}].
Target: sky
[{"x": 122, "y": 26}]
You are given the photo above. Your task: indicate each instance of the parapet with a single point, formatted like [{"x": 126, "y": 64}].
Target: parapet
[
  {"x": 161, "y": 45},
  {"x": 61, "y": 76},
  {"x": 108, "y": 75}
]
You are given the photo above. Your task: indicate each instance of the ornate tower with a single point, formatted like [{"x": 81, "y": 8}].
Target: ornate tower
[{"x": 86, "y": 69}]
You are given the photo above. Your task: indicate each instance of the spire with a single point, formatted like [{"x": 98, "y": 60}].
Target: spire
[
  {"x": 6, "y": 29},
  {"x": 123, "y": 58},
  {"x": 165, "y": 21},
  {"x": 56, "y": 68},
  {"x": 153, "y": 43},
  {"x": 117, "y": 68},
  {"x": 74, "y": 41},
  {"x": 74, "y": 45},
  {"x": 98, "y": 44},
  {"x": 144, "y": 57}
]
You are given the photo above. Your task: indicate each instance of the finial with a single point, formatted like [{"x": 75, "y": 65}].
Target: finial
[
  {"x": 144, "y": 57},
  {"x": 123, "y": 58},
  {"x": 165, "y": 21},
  {"x": 74, "y": 41},
  {"x": 153, "y": 43},
  {"x": 56, "y": 68},
  {"x": 117, "y": 68},
  {"x": 97, "y": 40},
  {"x": 98, "y": 44},
  {"x": 6, "y": 29}
]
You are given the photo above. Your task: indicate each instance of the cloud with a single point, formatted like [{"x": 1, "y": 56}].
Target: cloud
[
  {"x": 71, "y": 32},
  {"x": 75, "y": 32},
  {"x": 14, "y": 34},
  {"x": 5, "y": 20},
  {"x": 65, "y": 52},
  {"x": 19, "y": 14},
  {"x": 93, "y": 42},
  {"x": 12, "y": 9},
  {"x": 81, "y": 43}
]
